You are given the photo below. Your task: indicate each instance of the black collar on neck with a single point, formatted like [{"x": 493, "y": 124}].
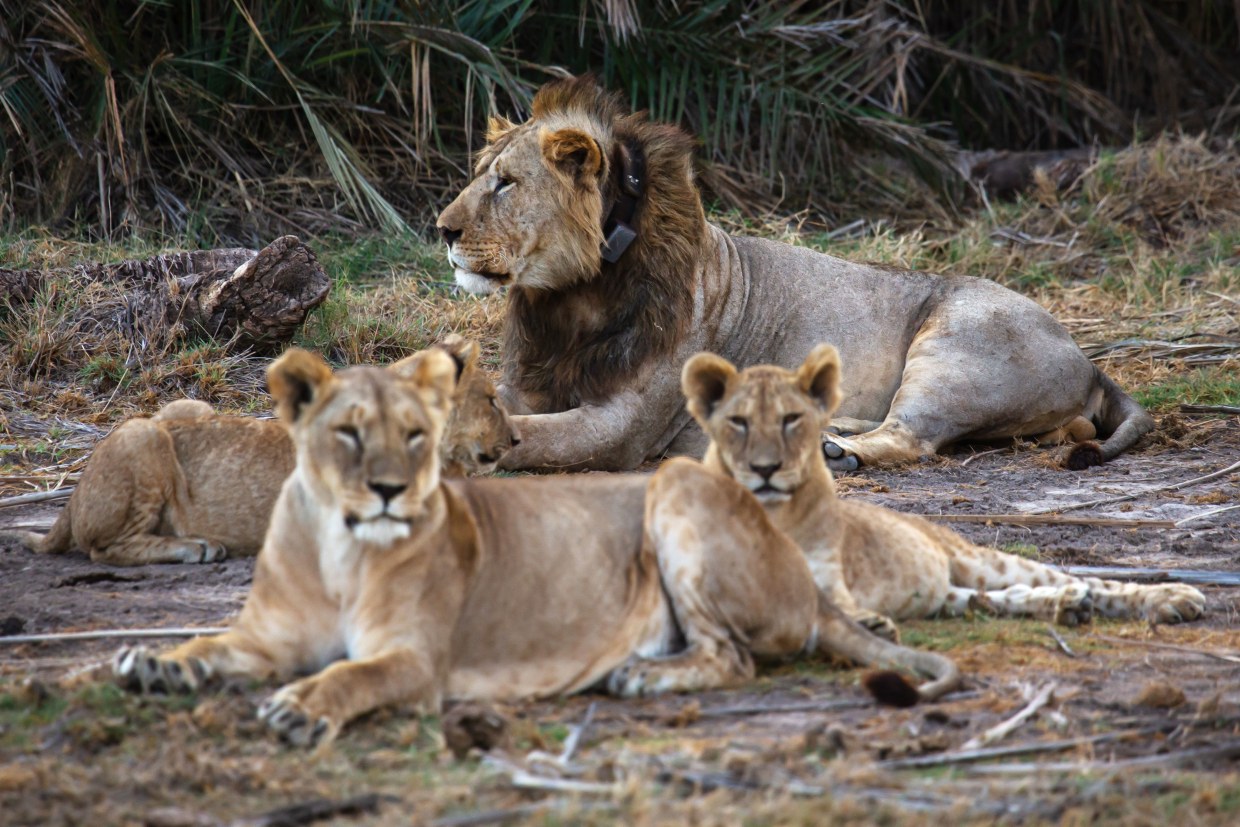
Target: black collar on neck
[{"x": 618, "y": 227}]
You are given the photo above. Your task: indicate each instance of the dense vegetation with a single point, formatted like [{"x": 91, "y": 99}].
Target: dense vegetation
[{"x": 236, "y": 119}]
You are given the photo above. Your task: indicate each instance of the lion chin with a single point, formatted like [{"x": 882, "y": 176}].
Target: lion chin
[
  {"x": 381, "y": 531},
  {"x": 477, "y": 283}
]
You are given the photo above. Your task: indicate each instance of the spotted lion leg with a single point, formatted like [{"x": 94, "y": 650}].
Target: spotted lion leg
[{"x": 1161, "y": 603}]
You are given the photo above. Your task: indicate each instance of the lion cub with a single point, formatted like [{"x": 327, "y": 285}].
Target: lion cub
[
  {"x": 388, "y": 587},
  {"x": 764, "y": 424},
  {"x": 189, "y": 486}
]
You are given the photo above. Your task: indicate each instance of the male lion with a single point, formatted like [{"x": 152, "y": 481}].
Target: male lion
[
  {"x": 763, "y": 424},
  {"x": 392, "y": 588},
  {"x": 590, "y": 217},
  {"x": 189, "y": 486}
]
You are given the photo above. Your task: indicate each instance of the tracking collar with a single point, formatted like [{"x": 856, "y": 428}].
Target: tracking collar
[{"x": 618, "y": 230}]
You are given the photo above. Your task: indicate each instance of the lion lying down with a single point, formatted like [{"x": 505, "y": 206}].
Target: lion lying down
[
  {"x": 188, "y": 486},
  {"x": 393, "y": 587},
  {"x": 875, "y": 563},
  {"x": 589, "y": 216}
]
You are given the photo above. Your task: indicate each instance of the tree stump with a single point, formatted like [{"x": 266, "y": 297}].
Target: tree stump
[{"x": 246, "y": 298}]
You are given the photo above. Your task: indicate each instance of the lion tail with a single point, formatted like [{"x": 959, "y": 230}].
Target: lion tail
[
  {"x": 57, "y": 541},
  {"x": 838, "y": 635},
  {"x": 1120, "y": 417}
]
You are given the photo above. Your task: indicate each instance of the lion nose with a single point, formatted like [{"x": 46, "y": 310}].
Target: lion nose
[
  {"x": 387, "y": 491},
  {"x": 765, "y": 471},
  {"x": 448, "y": 234}
]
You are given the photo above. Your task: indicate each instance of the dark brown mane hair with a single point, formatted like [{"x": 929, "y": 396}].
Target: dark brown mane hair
[{"x": 582, "y": 344}]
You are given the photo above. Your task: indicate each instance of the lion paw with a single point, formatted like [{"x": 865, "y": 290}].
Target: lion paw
[
  {"x": 879, "y": 625},
  {"x": 285, "y": 713},
  {"x": 1074, "y": 606},
  {"x": 207, "y": 551},
  {"x": 138, "y": 670},
  {"x": 839, "y": 459},
  {"x": 1174, "y": 603}
]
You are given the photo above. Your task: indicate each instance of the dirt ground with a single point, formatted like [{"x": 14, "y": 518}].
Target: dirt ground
[{"x": 1144, "y": 725}]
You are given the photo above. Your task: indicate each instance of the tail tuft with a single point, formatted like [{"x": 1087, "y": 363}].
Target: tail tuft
[
  {"x": 890, "y": 688},
  {"x": 1083, "y": 455}
]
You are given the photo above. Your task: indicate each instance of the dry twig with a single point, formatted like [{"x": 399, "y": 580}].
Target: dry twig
[
  {"x": 1005, "y": 728},
  {"x": 36, "y": 497},
  {"x": 108, "y": 634},
  {"x": 1230, "y": 469}
]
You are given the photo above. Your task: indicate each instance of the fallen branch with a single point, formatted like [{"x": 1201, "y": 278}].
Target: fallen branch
[
  {"x": 246, "y": 298},
  {"x": 1043, "y": 518},
  {"x": 1231, "y": 749},
  {"x": 1200, "y": 577},
  {"x": 963, "y": 756},
  {"x": 1005, "y": 728},
  {"x": 1225, "y": 409},
  {"x": 36, "y": 497},
  {"x": 1229, "y": 657},
  {"x": 1204, "y": 514},
  {"x": 319, "y": 809},
  {"x": 109, "y": 634},
  {"x": 1229, "y": 470}
]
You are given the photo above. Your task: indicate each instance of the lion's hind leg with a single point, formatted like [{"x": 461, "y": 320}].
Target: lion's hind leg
[{"x": 1160, "y": 603}]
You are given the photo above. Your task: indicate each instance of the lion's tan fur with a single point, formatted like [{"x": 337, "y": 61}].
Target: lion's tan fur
[
  {"x": 395, "y": 589},
  {"x": 876, "y": 563},
  {"x": 593, "y": 350},
  {"x": 187, "y": 485}
]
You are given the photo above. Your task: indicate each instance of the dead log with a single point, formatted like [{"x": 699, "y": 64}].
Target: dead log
[{"x": 250, "y": 299}]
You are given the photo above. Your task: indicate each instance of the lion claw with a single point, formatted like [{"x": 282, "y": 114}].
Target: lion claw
[
  {"x": 137, "y": 670},
  {"x": 292, "y": 723}
]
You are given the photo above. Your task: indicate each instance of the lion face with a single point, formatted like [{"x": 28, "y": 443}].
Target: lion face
[
  {"x": 479, "y": 431},
  {"x": 765, "y": 423},
  {"x": 367, "y": 438},
  {"x": 532, "y": 216}
]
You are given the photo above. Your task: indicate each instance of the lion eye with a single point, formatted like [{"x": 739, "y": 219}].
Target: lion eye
[
  {"x": 739, "y": 423},
  {"x": 791, "y": 420},
  {"x": 350, "y": 436},
  {"x": 415, "y": 436},
  {"x": 502, "y": 184}
]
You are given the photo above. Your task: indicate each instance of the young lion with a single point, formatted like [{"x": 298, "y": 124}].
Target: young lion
[
  {"x": 189, "y": 486},
  {"x": 764, "y": 425},
  {"x": 392, "y": 587}
]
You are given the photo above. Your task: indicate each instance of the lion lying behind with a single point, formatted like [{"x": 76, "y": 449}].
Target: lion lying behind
[
  {"x": 588, "y": 215},
  {"x": 391, "y": 587},
  {"x": 189, "y": 486},
  {"x": 875, "y": 563}
]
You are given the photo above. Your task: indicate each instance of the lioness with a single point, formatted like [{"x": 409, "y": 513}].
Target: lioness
[
  {"x": 392, "y": 587},
  {"x": 763, "y": 424},
  {"x": 589, "y": 216},
  {"x": 189, "y": 486}
]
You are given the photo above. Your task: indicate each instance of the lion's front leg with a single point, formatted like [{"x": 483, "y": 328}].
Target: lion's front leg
[
  {"x": 312, "y": 710},
  {"x": 193, "y": 665}
]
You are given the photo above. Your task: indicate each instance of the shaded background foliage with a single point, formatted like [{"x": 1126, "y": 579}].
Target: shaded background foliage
[{"x": 233, "y": 120}]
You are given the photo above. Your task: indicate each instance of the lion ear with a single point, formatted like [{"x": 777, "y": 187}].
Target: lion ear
[
  {"x": 573, "y": 152},
  {"x": 431, "y": 370},
  {"x": 296, "y": 379},
  {"x": 819, "y": 378},
  {"x": 463, "y": 351},
  {"x": 704, "y": 381},
  {"x": 497, "y": 127}
]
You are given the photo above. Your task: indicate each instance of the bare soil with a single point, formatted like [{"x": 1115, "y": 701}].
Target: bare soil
[{"x": 802, "y": 744}]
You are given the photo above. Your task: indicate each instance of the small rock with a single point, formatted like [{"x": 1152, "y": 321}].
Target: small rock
[
  {"x": 1160, "y": 695},
  {"x": 12, "y": 625},
  {"x": 470, "y": 725}
]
